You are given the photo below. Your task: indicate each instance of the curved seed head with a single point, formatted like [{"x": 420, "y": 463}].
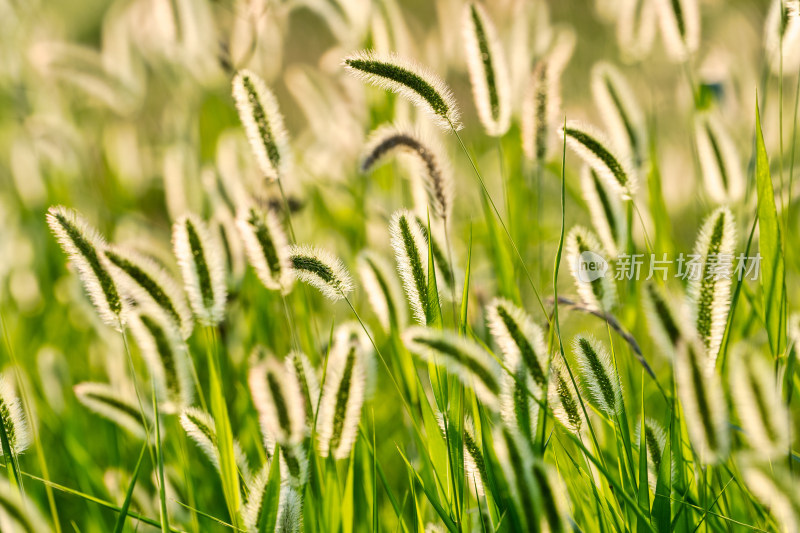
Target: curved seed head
[
  {"x": 20, "y": 513},
  {"x": 444, "y": 272},
  {"x": 267, "y": 247},
  {"x": 322, "y": 270},
  {"x": 165, "y": 353},
  {"x": 541, "y": 108},
  {"x": 488, "y": 71},
  {"x": 664, "y": 323},
  {"x": 709, "y": 287},
  {"x": 520, "y": 340},
  {"x": 279, "y": 401},
  {"x": 778, "y": 490},
  {"x": 13, "y": 418},
  {"x": 518, "y": 408},
  {"x": 719, "y": 160},
  {"x": 474, "y": 462},
  {"x": 263, "y": 123},
  {"x": 636, "y": 28},
  {"x": 620, "y": 111},
  {"x": 411, "y": 252},
  {"x": 202, "y": 263},
  {"x": 599, "y": 376},
  {"x": 516, "y": 460},
  {"x": 143, "y": 280},
  {"x": 605, "y": 207},
  {"x": 294, "y": 465},
  {"x": 83, "y": 245},
  {"x": 200, "y": 427},
  {"x": 563, "y": 398},
  {"x": 782, "y": 37},
  {"x": 408, "y": 79},
  {"x": 655, "y": 439},
  {"x": 382, "y": 290},
  {"x": 758, "y": 402},
  {"x": 599, "y": 153},
  {"x": 431, "y": 164},
  {"x": 460, "y": 356},
  {"x": 680, "y": 27},
  {"x": 704, "y": 407},
  {"x": 595, "y": 286},
  {"x": 118, "y": 407},
  {"x": 299, "y": 368},
  {"x": 343, "y": 394}
]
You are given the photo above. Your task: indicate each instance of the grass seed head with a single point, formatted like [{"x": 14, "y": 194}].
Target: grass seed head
[
  {"x": 662, "y": 319},
  {"x": 720, "y": 163},
  {"x": 680, "y": 27},
  {"x": 563, "y": 398},
  {"x": 599, "y": 375},
  {"x": 18, "y": 512},
  {"x": 382, "y": 290},
  {"x": 13, "y": 418},
  {"x": 299, "y": 368},
  {"x": 321, "y": 269},
  {"x": 621, "y": 114},
  {"x": 267, "y": 247},
  {"x": 519, "y": 338},
  {"x": 279, "y": 401},
  {"x": 605, "y": 207},
  {"x": 411, "y": 253},
  {"x": 599, "y": 293},
  {"x": 107, "y": 401},
  {"x": 636, "y": 28}
]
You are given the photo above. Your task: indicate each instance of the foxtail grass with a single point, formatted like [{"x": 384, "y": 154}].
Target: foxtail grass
[
  {"x": 279, "y": 401},
  {"x": 624, "y": 120},
  {"x": 662, "y": 319},
  {"x": 267, "y": 247},
  {"x": 582, "y": 247},
  {"x": 720, "y": 163},
  {"x": 606, "y": 208},
  {"x": 19, "y": 514},
  {"x": 599, "y": 375},
  {"x": 321, "y": 269},
  {"x": 563, "y": 398},
  {"x": 12, "y": 416},
  {"x": 411, "y": 253},
  {"x": 680, "y": 27},
  {"x": 118, "y": 407},
  {"x": 201, "y": 428},
  {"x": 636, "y": 28},
  {"x": 382, "y": 290}
]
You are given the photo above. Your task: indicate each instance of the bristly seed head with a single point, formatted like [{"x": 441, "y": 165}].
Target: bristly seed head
[
  {"x": 519, "y": 338},
  {"x": 411, "y": 252},
  {"x": 83, "y": 245},
  {"x": 599, "y": 375},
  {"x": 620, "y": 111},
  {"x": 410, "y": 80},
  {"x": 563, "y": 398},
  {"x": 488, "y": 71},
  {"x": 322, "y": 270},
  {"x": 605, "y": 206},
  {"x": 664, "y": 323},
  {"x": 13, "y": 418},
  {"x": 279, "y": 401},
  {"x": 382, "y": 290},
  {"x": 597, "y": 289},
  {"x": 719, "y": 160},
  {"x": 263, "y": 123},
  {"x": 680, "y": 27},
  {"x": 267, "y": 247},
  {"x": 109, "y": 402},
  {"x": 202, "y": 264}
]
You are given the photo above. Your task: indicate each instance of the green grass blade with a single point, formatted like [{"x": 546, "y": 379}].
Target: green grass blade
[
  {"x": 123, "y": 511},
  {"x": 465, "y": 293},
  {"x": 644, "y": 489},
  {"x": 272, "y": 496},
  {"x": 434, "y": 310},
  {"x": 773, "y": 276}
]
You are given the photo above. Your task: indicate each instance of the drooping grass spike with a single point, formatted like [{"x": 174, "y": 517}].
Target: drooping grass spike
[
  {"x": 263, "y": 123},
  {"x": 488, "y": 71},
  {"x": 562, "y": 397},
  {"x": 299, "y": 367},
  {"x": 621, "y": 114},
  {"x": 663, "y": 320},
  {"x": 83, "y": 245},
  {"x": 109, "y": 402},
  {"x": 278, "y": 400},
  {"x": 782, "y": 37},
  {"x": 519, "y": 338},
  {"x": 680, "y": 27},
  {"x": 709, "y": 285},
  {"x": 593, "y": 278},
  {"x": 636, "y": 28},
  {"x": 267, "y": 247},
  {"x": 599, "y": 376},
  {"x": 321, "y": 269},
  {"x": 18, "y": 513},
  {"x": 146, "y": 282},
  {"x": 200, "y": 427},
  {"x": 202, "y": 263},
  {"x": 410, "y": 80},
  {"x": 460, "y": 356}
]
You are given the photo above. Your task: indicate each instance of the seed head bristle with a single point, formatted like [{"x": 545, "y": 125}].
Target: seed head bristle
[
  {"x": 299, "y": 368},
  {"x": 202, "y": 263},
  {"x": 431, "y": 164},
  {"x": 321, "y": 269},
  {"x": 108, "y": 401},
  {"x": 411, "y": 252},
  {"x": 278, "y": 400},
  {"x": 782, "y": 37},
  {"x": 18, "y": 512},
  {"x": 343, "y": 394},
  {"x": 636, "y": 28},
  {"x": 605, "y": 207},
  {"x": 408, "y": 79},
  {"x": 719, "y": 160},
  {"x": 709, "y": 290},
  {"x": 267, "y": 247},
  {"x": 777, "y": 489},
  {"x": 602, "y": 155},
  {"x": 143, "y": 280},
  {"x": 83, "y": 245},
  {"x": 200, "y": 427},
  {"x": 516, "y": 460},
  {"x": 13, "y": 418},
  {"x": 488, "y": 70},
  {"x": 541, "y": 107},
  {"x": 263, "y": 123},
  {"x": 620, "y": 111},
  {"x": 166, "y": 356},
  {"x": 599, "y": 376},
  {"x": 664, "y": 323},
  {"x": 520, "y": 340},
  {"x": 601, "y": 292},
  {"x": 382, "y": 290},
  {"x": 563, "y": 398},
  {"x": 444, "y": 273},
  {"x": 294, "y": 465},
  {"x": 701, "y": 395},
  {"x": 462, "y": 357}
]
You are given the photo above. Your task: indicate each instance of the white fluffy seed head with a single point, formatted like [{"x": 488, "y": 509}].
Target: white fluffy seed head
[
  {"x": 782, "y": 37},
  {"x": 382, "y": 289},
  {"x": 321, "y": 269},
  {"x": 278, "y": 400},
  {"x": 411, "y": 253},
  {"x": 757, "y": 399},
  {"x": 488, "y": 71},
  {"x": 202, "y": 263},
  {"x": 620, "y": 111},
  {"x": 680, "y": 27},
  {"x": 709, "y": 288},
  {"x": 144, "y": 281},
  {"x": 598, "y": 374},
  {"x": 83, "y": 245},
  {"x": 343, "y": 395},
  {"x": 664, "y": 323},
  {"x": 582, "y": 248},
  {"x": 520, "y": 339},
  {"x": 410, "y": 80},
  {"x": 118, "y": 407},
  {"x": 516, "y": 459},
  {"x": 290, "y": 511},
  {"x": 19, "y": 513},
  {"x": 13, "y": 418},
  {"x": 267, "y": 247},
  {"x": 541, "y": 109},
  {"x": 563, "y": 397},
  {"x": 263, "y": 123},
  {"x": 166, "y": 357},
  {"x": 720, "y": 163},
  {"x": 597, "y": 151},
  {"x": 200, "y": 427},
  {"x": 429, "y": 162},
  {"x": 605, "y": 207},
  {"x": 701, "y": 395},
  {"x": 655, "y": 440},
  {"x": 300, "y": 368},
  {"x": 460, "y": 356},
  {"x": 777, "y": 489},
  {"x": 636, "y": 28}
]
